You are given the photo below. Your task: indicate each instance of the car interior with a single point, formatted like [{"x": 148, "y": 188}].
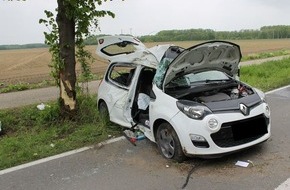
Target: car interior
[{"x": 144, "y": 86}]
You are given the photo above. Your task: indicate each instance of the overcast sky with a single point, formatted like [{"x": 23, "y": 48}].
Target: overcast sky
[{"x": 19, "y": 20}]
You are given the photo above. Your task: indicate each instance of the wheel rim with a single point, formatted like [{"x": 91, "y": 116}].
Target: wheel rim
[{"x": 166, "y": 143}]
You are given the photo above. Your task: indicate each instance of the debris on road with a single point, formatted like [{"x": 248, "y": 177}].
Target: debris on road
[
  {"x": 133, "y": 135},
  {"x": 243, "y": 163}
]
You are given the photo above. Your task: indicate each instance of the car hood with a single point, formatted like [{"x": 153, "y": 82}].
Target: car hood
[{"x": 214, "y": 55}]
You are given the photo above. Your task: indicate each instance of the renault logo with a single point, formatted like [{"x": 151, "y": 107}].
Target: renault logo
[{"x": 244, "y": 109}]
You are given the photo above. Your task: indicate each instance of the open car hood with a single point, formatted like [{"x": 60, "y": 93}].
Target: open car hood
[{"x": 213, "y": 55}]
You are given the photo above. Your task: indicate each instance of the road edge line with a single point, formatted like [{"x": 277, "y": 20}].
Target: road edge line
[
  {"x": 284, "y": 185},
  {"x": 275, "y": 90},
  {"x": 69, "y": 153}
]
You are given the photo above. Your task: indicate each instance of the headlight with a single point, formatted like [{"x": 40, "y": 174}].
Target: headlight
[
  {"x": 193, "y": 110},
  {"x": 261, "y": 94},
  {"x": 267, "y": 111}
]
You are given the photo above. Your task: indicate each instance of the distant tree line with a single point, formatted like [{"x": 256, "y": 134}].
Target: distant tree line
[
  {"x": 25, "y": 46},
  {"x": 265, "y": 32}
]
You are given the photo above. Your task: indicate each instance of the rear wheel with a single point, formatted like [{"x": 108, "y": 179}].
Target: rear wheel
[
  {"x": 103, "y": 110},
  {"x": 168, "y": 143}
]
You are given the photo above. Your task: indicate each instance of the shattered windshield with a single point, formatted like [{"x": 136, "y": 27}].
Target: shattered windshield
[{"x": 162, "y": 67}]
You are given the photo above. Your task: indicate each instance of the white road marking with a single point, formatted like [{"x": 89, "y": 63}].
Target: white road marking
[
  {"x": 8, "y": 170},
  {"x": 284, "y": 186},
  {"x": 275, "y": 90}
]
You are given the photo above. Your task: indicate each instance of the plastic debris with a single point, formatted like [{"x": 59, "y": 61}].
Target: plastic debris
[
  {"x": 133, "y": 136},
  {"x": 41, "y": 106},
  {"x": 167, "y": 166},
  {"x": 242, "y": 164},
  {"x": 250, "y": 162}
]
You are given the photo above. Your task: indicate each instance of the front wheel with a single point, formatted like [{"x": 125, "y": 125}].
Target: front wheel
[{"x": 168, "y": 143}]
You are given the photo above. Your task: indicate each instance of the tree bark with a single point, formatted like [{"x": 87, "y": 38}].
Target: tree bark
[{"x": 67, "y": 74}]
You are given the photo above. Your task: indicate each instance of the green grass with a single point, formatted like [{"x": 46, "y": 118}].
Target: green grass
[
  {"x": 31, "y": 134},
  {"x": 267, "y": 76},
  {"x": 264, "y": 55},
  {"x": 4, "y": 88}
]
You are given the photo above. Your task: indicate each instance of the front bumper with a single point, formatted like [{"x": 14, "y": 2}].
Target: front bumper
[{"x": 235, "y": 132}]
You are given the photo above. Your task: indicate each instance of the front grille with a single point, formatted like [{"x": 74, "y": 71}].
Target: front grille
[{"x": 241, "y": 132}]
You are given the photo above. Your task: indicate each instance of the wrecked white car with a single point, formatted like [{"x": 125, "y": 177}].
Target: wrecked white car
[{"x": 189, "y": 101}]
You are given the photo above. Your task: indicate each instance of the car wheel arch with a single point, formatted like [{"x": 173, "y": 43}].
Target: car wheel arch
[
  {"x": 99, "y": 102},
  {"x": 156, "y": 124}
]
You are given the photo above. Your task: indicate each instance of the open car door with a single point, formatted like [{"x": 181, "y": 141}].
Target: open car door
[{"x": 120, "y": 51}]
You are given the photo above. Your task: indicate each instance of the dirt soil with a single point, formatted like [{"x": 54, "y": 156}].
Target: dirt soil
[{"x": 31, "y": 65}]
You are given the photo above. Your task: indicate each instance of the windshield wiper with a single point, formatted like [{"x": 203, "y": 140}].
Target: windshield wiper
[{"x": 177, "y": 87}]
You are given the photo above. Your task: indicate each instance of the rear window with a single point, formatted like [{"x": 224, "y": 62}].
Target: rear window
[{"x": 120, "y": 48}]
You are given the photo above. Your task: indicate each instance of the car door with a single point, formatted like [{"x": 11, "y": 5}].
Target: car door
[
  {"x": 122, "y": 51},
  {"x": 120, "y": 79}
]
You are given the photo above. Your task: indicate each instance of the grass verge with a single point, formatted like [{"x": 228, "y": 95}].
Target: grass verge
[
  {"x": 267, "y": 76},
  {"x": 31, "y": 134},
  {"x": 263, "y": 55},
  {"x": 4, "y": 88}
]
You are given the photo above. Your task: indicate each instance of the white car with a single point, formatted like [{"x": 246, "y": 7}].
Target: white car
[{"x": 189, "y": 101}]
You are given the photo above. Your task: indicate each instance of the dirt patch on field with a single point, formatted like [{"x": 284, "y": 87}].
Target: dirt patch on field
[{"x": 31, "y": 65}]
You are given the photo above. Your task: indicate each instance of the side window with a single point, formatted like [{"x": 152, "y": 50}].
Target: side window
[{"x": 122, "y": 74}]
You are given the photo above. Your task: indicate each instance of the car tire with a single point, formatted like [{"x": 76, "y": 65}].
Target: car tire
[
  {"x": 168, "y": 143},
  {"x": 103, "y": 109}
]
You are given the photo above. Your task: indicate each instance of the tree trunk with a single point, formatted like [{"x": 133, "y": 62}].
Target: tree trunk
[{"x": 67, "y": 74}]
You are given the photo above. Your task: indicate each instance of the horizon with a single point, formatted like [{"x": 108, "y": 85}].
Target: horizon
[{"x": 43, "y": 43}]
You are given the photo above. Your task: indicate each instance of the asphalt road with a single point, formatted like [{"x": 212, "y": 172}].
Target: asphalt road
[
  {"x": 40, "y": 95},
  {"x": 120, "y": 165}
]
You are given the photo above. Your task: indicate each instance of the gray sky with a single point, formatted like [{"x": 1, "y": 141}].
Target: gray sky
[{"x": 19, "y": 20}]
